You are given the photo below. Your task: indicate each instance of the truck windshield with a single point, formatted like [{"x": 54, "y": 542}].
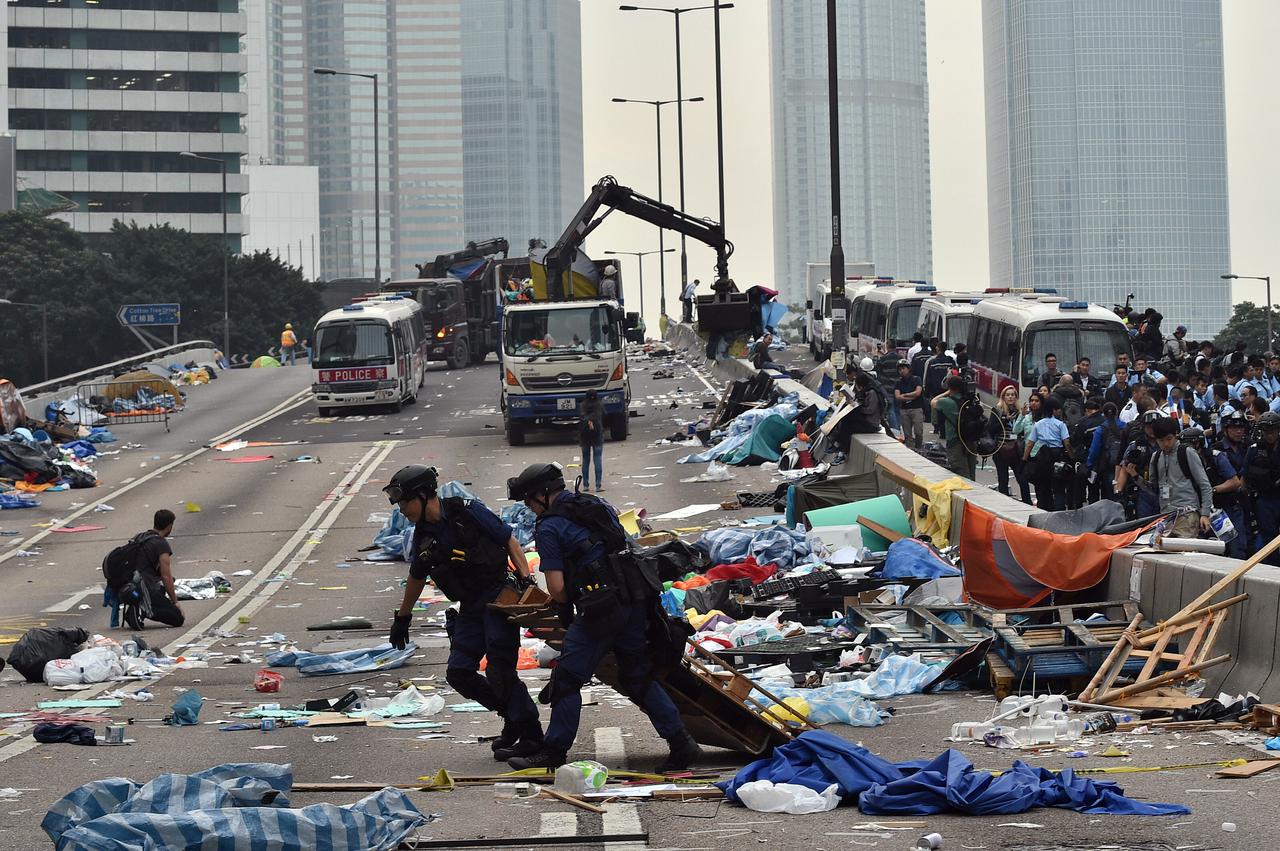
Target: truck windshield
[
  {"x": 357, "y": 342},
  {"x": 437, "y": 298},
  {"x": 584, "y": 329}
]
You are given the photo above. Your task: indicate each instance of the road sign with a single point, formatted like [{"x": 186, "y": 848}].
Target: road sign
[{"x": 149, "y": 315}]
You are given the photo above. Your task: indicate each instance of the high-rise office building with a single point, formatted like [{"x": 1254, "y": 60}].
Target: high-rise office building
[
  {"x": 479, "y": 121},
  {"x": 104, "y": 96},
  {"x": 884, "y": 138},
  {"x": 1106, "y": 153}
]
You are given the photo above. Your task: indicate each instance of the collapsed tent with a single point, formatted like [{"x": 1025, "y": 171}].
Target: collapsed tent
[
  {"x": 764, "y": 443},
  {"x": 824, "y": 492},
  {"x": 127, "y": 387},
  {"x": 13, "y": 413},
  {"x": 1010, "y": 566}
]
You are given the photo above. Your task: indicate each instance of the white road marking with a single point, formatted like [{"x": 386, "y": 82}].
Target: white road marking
[
  {"x": 610, "y": 749},
  {"x": 559, "y": 824},
  {"x": 312, "y": 528},
  {"x": 294, "y": 401},
  {"x": 65, "y": 605},
  {"x": 622, "y": 818}
]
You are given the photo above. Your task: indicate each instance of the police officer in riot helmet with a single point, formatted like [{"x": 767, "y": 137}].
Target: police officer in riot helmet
[
  {"x": 612, "y": 599},
  {"x": 1262, "y": 479},
  {"x": 465, "y": 549}
]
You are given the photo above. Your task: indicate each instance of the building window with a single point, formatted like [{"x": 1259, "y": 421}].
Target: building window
[
  {"x": 147, "y": 122},
  {"x": 145, "y": 81},
  {"x": 153, "y": 202},
  {"x": 175, "y": 42},
  {"x": 226, "y": 6},
  {"x": 120, "y": 161}
]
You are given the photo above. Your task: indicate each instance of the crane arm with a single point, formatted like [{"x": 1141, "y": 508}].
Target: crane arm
[{"x": 439, "y": 268}]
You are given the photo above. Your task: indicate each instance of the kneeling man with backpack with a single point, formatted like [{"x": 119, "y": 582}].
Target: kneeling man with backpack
[{"x": 140, "y": 577}]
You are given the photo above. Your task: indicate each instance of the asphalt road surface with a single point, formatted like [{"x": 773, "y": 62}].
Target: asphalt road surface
[{"x": 298, "y": 526}]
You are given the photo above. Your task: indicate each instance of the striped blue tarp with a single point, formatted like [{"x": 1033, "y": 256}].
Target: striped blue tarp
[
  {"x": 235, "y": 806},
  {"x": 382, "y": 657}
]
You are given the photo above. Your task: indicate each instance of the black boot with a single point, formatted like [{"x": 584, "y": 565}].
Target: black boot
[
  {"x": 529, "y": 743},
  {"x": 684, "y": 753},
  {"x": 510, "y": 735},
  {"x": 544, "y": 758}
]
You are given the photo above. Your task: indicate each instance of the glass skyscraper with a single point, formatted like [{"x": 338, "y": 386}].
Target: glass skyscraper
[
  {"x": 1106, "y": 153},
  {"x": 481, "y": 97},
  {"x": 884, "y": 139}
]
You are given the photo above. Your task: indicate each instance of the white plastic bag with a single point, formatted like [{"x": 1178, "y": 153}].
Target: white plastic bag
[
  {"x": 95, "y": 665},
  {"x": 765, "y": 796}
]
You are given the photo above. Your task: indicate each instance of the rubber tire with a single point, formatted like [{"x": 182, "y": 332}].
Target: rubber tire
[
  {"x": 461, "y": 354},
  {"x": 324, "y": 412},
  {"x": 515, "y": 432},
  {"x": 619, "y": 425}
]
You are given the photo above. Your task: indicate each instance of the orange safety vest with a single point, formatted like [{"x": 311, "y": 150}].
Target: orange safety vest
[{"x": 287, "y": 338}]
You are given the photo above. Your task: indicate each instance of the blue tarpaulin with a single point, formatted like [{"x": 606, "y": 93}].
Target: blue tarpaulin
[
  {"x": 230, "y": 806},
  {"x": 381, "y": 658},
  {"x": 947, "y": 783},
  {"x": 911, "y": 557},
  {"x": 772, "y": 545}
]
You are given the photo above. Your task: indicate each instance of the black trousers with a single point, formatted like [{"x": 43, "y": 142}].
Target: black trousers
[{"x": 163, "y": 610}]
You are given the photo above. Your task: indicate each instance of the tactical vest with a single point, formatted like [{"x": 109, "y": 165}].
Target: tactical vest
[
  {"x": 474, "y": 564},
  {"x": 632, "y": 579}
]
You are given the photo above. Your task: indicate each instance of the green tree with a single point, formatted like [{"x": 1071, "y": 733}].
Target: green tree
[
  {"x": 1249, "y": 323},
  {"x": 84, "y": 282}
]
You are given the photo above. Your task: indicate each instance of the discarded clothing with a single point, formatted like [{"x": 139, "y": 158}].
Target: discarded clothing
[
  {"x": 384, "y": 657},
  {"x": 772, "y": 545},
  {"x": 912, "y": 558},
  {"x": 739, "y": 431},
  {"x": 522, "y": 522},
  {"x": 748, "y": 568},
  {"x": 204, "y": 588},
  {"x": 231, "y": 806},
  {"x": 947, "y": 783},
  {"x": 17, "y": 500},
  {"x": 50, "y": 733},
  {"x": 186, "y": 710},
  {"x": 395, "y": 535},
  {"x": 936, "y": 522},
  {"x": 897, "y": 675}
]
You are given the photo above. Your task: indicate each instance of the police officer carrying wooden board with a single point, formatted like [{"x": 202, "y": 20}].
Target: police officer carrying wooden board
[
  {"x": 612, "y": 598},
  {"x": 464, "y": 549}
]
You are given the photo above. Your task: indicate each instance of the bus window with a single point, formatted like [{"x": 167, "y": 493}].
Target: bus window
[
  {"x": 929, "y": 323},
  {"x": 1045, "y": 339},
  {"x": 1100, "y": 343},
  {"x": 903, "y": 319},
  {"x": 958, "y": 328},
  {"x": 353, "y": 343},
  {"x": 855, "y": 315}
]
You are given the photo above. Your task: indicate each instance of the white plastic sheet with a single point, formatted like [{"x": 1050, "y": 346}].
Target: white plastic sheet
[{"x": 765, "y": 796}]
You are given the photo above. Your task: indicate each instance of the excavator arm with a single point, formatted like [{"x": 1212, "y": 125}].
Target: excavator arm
[
  {"x": 439, "y": 268},
  {"x": 609, "y": 193}
]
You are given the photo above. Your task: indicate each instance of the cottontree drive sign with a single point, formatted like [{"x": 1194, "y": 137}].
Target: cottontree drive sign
[{"x": 150, "y": 315}]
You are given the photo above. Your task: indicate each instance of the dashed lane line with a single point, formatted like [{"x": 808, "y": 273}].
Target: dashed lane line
[{"x": 299, "y": 398}]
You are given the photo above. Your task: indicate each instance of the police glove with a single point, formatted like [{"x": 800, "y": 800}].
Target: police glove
[
  {"x": 564, "y": 611},
  {"x": 400, "y": 630},
  {"x": 524, "y": 583}
]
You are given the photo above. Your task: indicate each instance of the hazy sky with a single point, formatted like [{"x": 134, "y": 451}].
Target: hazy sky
[{"x": 632, "y": 54}]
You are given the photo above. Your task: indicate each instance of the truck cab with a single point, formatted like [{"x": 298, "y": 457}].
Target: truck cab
[{"x": 552, "y": 353}]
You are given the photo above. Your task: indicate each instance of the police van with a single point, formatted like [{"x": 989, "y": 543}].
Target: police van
[
  {"x": 820, "y": 333},
  {"x": 1011, "y": 334},
  {"x": 886, "y": 316},
  {"x": 948, "y": 316},
  {"x": 370, "y": 352}
]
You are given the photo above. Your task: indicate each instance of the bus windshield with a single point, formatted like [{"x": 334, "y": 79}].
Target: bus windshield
[
  {"x": 904, "y": 319},
  {"x": 958, "y": 328},
  {"x": 355, "y": 342},
  {"x": 582, "y": 329},
  {"x": 1100, "y": 342}
]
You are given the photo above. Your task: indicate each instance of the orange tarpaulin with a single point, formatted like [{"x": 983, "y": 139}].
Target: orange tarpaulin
[{"x": 1010, "y": 566}]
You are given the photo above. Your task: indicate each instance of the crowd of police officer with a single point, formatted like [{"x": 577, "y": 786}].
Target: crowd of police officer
[
  {"x": 607, "y": 597},
  {"x": 1225, "y": 404}
]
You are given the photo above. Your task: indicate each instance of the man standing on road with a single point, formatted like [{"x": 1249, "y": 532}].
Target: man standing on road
[
  {"x": 288, "y": 343},
  {"x": 614, "y": 599},
  {"x": 1179, "y": 480},
  {"x": 907, "y": 392},
  {"x": 155, "y": 570},
  {"x": 464, "y": 548},
  {"x": 959, "y": 459},
  {"x": 687, "y": 299}
]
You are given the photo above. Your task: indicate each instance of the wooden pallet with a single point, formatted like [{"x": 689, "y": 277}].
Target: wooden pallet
[
  {"x": 719, "y": 705},
  {"x": 1036, "y": 650},
  {"x": 923, "y": 631}
]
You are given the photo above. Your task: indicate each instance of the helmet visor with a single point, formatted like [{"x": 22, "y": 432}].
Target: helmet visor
[{"x": 395, "y": 493}]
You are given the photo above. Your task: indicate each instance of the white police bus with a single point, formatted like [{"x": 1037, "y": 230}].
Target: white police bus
[
  {"x": 370, "y": 352},
  {"x": 1012, "y": 333},
  {"x": 887, "y": 316},
  {"x": 948, "y": 316}
]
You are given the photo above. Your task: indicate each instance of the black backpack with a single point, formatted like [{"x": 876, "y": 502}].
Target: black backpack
[
  {"x": 595, "y": 515},
  {"x": 121, "y": 563}
]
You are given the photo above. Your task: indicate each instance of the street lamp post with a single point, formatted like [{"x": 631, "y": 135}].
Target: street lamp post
[
  {"x": 44, "y": 327},
  {"x": 657, "y": 112},
  {"x": 839, "y": 328},
  {"x": 1271, "y": 338},
  {"x": 675, "y": 14},
  {"x": 377, "y": 166},
  {"x": 640, "y": 255},
  {"x": 226, "y": 250}
]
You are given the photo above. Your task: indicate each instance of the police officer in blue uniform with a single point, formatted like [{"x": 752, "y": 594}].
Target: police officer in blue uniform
[
  {"x": 1262, "y": 478},
  {"x": 1234, "y": 446},
  {"x": 611, "y": 597},
  {"x": 461, "y": 546}
]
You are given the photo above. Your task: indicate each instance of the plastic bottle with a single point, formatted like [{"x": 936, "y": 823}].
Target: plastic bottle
[{"x": 1222, "y": 526}]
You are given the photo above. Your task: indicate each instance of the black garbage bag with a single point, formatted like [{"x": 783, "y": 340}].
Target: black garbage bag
[
  {"x": 19, "y": 459},
  {"x": 42, "y": 645},
  {"x": 717, "y": 595},
  {"x": 675, "y": 559},
  {"x": 50, "y": 733}
]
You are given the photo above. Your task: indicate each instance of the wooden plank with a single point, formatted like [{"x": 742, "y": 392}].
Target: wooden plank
[
  {"x": 1249, "y": 769},
  {"x": 1115, "y": 660},
  {"x": 1169, "y": 677},
  {"x": 907, "y": 479},
  {"x": 880, "y": 529},
  {"x": 1155, "y": 701},
  {"x": 571, "y": 800},
  {"x": 1157, "y": 653}
]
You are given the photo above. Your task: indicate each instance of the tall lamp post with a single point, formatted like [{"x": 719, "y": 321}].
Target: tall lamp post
[
  {"x": 640, "y": 255},
  {"x": 44, "y": 327},
  {"x": 226, "y": 250},
  {"x": 675, "y": 14},
  {"x": 377, "y": 166},
  {"x": 1271, "y": 339},
  {"x": 657, "y": 113}
]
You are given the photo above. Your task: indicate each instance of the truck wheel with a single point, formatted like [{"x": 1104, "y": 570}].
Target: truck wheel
[
  {"x": 515, "y": 432},
  {"x": 618, "y": 425},
  {"x": 461, "y": 354},
  {"x": 324, "y": 412}
]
